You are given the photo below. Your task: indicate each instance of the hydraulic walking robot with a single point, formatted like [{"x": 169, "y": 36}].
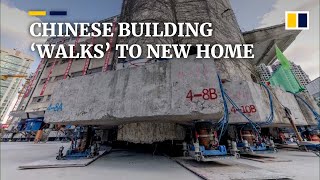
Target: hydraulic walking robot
[
  {"x": 251, "y": 142},
  {"x": 83, "y": 145},
  {"x": 205, "y": 143}
]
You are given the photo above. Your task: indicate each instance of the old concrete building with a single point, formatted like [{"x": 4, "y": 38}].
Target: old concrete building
[
  {"x": 301, "y": 76},
  {"x": 161, "y": 96},
  {"x": 219, "y": 13},
  {"x": 38, "y": 96}
]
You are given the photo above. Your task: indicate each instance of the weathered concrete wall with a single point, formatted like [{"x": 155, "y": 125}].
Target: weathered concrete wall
[
  {"x": 226, "y": 31},
  {"x": 152, "y": 92},
  {"x": 147, "y": 133},
  {"x": 288, "y": 100},
  {"x": 143, "y": 11},
  {"x": 160, "y": 91},
  {"x": 253, "y": 100},
  {"x": 218, "y": 12},
  {"x": 59, "y": 70},
  {"x": 305, "y": 110}
]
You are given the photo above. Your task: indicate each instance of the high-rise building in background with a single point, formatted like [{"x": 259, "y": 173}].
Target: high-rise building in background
[
  {"x": 265, "y": 72},
  {"x": 297, "y": 71},
  {"x": 286, "y": 80},
  {"x": 301, "y": 76},
  {"x": 13, "y": 62},
  {"x": 19, "y": 103},
  {"x": 275, "y": 66}
]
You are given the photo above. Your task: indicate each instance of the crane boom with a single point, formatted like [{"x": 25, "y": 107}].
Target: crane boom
[{"x": 5, "y": 77}]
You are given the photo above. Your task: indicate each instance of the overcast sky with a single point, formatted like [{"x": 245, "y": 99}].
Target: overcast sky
[{"x": 251, "y": 14}]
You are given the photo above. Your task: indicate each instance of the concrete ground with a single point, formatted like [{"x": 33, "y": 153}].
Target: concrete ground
[
  {"x": 303, "y": 165},
  {"x": 121, "y": 164},
  {"x": 116, "y": 165},
  {"x": 286, "y": 165}
]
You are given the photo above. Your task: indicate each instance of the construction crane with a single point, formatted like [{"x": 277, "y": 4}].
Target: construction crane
[{"x": 5, "y": 77}]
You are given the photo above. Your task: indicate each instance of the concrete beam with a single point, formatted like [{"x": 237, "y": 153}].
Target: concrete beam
[
  {"x": 309, "y": 116},
  {"x": 152, "y": 92},
  {"x": 253, "y": 100},
  {"x": 288, "y": 100}
]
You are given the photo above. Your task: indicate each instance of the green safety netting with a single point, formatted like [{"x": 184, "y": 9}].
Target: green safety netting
[{"x": 283, "y": 76}]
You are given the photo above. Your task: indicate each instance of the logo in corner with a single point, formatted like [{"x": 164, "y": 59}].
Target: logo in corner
[{"x": 297, "y": 20}]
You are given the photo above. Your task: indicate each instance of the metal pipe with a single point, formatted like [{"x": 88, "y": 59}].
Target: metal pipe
[{"x": 291, "y": 118}]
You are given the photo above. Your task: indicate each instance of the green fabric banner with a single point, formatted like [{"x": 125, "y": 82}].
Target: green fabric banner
[
  {"x": 286, "y": 80},
  {"x": 283, "y": 60},
  {"x": 283, "y": 76}
]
